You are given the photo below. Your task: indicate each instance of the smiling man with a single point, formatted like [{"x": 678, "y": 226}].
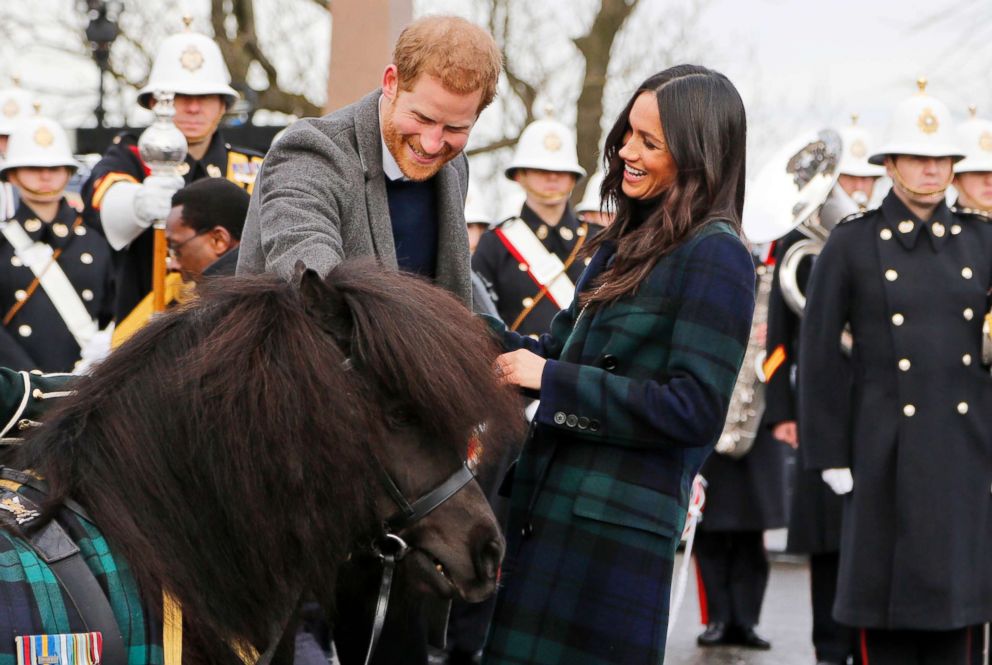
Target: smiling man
[{"x": 386, "y": 176}]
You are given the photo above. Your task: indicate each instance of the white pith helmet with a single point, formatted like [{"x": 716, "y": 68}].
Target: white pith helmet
[
  {"x": 15, "y": 105},
  {"x": 590, "y": 198},
  {"x": 476, "y": 211},
  {"x": 546, "y": 145},
  {"x": 38, "y": 142},
  {"x": 922, "y": 126},
  {"x": 856, "y": 145},
  {"x": 975, "y": 137},
  {"x": 189, "y": 63}
]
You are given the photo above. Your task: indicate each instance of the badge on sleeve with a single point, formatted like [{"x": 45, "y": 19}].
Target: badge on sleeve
[{"x": 59, "y": 649}]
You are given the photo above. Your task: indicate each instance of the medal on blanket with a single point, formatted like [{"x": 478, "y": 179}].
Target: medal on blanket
[
  {"x": 11, "y": 502},
  {"x": 59, "y": 649}
]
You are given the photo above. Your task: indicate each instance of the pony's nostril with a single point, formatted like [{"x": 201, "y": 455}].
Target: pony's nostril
[{"x": 490, "y": 556}]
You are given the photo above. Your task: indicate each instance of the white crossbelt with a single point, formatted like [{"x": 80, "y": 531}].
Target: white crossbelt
[
  {"x": 38, "y": 257},
  {"x": 544, "y": 266}
]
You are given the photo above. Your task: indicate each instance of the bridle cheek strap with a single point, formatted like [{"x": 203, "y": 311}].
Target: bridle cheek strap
[{"x": 391, "y": 548}]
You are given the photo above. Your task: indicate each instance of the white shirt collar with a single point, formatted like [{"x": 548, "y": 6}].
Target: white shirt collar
[{"x": 389, "y": 165}]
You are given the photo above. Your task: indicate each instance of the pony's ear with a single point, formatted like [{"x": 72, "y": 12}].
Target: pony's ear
[{"x": 326, "y": 305}]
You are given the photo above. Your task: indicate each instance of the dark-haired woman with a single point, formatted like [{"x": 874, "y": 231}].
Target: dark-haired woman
[{"x": 635, "y": 378}]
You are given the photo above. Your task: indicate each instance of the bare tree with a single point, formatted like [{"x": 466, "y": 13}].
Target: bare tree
[{"x": 265, "y": 45}]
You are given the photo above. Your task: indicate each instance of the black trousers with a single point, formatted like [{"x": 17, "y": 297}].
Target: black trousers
[
  {"x": 734, "y": 569},
  {"x": 833, "y": 642},
  {"x": 922, "y": 647}
]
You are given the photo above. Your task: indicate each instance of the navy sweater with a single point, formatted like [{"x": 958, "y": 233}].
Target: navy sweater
[{"x": 413, "y": 213}]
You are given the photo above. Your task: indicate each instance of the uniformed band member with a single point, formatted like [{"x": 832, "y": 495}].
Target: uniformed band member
[
  {"x": 815, "y": 514},
  {"x": 55, "y": 275},
  {"x": 532, "y": 260},
  {"x": 123, "y": 202},
  {"x": 905, "y": 434},
  {"x": 973, "y": 174}
]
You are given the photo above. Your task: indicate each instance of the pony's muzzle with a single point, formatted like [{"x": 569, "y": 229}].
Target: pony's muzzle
[{"x": 488, "y": 557}]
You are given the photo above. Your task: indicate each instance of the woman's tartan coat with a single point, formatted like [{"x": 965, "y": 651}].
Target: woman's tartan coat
[{"x": 633, "y": 399}]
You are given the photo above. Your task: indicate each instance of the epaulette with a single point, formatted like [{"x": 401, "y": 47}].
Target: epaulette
[
  {"x": 856, "y": 216},
  {"x": 244, "y": 151},
  {"x": 125, "y": 138},
  {"x": 981, "y": 215}
]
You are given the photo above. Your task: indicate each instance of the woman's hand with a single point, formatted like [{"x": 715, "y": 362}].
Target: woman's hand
[{"x": 520, "y": 368}]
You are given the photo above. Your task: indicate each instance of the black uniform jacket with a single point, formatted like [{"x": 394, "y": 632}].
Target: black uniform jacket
[
  {"x": 916, "y": 545},
  {"x": 37, "y": 337},
  {"x": 512, "y": 287},
  {"x": 815, "y": 511},
  {"x": 122, "y": 162}
]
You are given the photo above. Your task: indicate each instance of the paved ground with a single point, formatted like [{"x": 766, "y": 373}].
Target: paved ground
[{"x": 785, "y": 622}]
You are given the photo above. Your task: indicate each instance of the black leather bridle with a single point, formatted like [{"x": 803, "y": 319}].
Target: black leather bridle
[{"x": 390, "y": 548}]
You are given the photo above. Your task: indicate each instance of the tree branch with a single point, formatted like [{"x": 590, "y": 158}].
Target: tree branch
[
  {"x": 495, "y": 145},
  {"x": 596, "y": 46}
]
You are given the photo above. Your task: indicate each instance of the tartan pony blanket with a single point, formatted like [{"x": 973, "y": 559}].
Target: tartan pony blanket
[{"x": 40, "y": 623}]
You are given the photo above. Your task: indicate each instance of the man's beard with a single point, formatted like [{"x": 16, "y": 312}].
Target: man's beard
[{"x": 397, "y": 145}]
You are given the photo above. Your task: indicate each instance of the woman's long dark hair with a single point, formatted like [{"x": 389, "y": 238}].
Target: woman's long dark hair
[{"x": 705, "y": 130}]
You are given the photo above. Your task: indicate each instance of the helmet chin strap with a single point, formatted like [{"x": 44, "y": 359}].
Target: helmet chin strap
[
  {"x": 918, "y": 192},
  {"x": 545, "y": 197},
  {"x": 41, "y": 192}
]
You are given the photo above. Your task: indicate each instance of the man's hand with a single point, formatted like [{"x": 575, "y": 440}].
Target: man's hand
[
  {"x": 840, "y": 480},
  {"x": 787, "y": 432},
  {"x": 153, "y": 201},
  {"x": 520, "y": 368}
]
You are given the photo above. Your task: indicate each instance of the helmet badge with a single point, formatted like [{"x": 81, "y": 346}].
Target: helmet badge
[
  {"x": 191, "y": 59},
  {"x": 43, "y": 137},
  {"x": 552, "y": 142},
  {"x": 927, "y": 121},
  {"x": 11, "y": 108},
  {"x": 985, "y": 141},
  {"x": 858, "y": 149}
]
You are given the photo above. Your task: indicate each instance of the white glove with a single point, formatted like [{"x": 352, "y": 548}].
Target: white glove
[
  {"x": 840, "y": 480},
  {"x": 128, "y": 208},
  {"x": 95, "y": 350},
  {"x": 154, "y": 200}
]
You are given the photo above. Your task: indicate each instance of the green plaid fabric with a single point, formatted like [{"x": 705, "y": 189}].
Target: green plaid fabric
[
  {"x": 32, "y": 601},
  {"x": 633, "y": 398}
]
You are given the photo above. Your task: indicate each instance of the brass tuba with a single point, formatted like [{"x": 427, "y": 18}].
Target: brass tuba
[{"x": 747, "y": 403}]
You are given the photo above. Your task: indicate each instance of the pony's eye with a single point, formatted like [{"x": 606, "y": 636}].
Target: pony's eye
[{"x": 400, "y": 418}]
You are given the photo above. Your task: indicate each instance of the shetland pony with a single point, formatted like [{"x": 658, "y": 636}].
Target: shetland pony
[{"x": 231, "y": 455}]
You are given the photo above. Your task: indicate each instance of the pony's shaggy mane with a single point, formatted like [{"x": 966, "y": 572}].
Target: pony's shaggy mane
[{"x": 228, "y": 455}]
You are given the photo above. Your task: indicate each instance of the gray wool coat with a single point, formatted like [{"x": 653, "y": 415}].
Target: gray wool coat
[{"x": 320, "y": 197}]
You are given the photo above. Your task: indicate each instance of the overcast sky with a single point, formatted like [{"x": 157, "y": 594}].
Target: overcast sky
[
  {"x": 797, "y": 63},
  {"x": 847, "y": 56}
]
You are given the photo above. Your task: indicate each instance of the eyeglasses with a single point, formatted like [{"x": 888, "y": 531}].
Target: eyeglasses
[{"x": 175, "y": 250}]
